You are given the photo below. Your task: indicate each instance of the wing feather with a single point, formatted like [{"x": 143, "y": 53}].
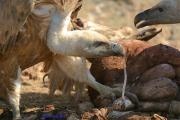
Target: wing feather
[{"x": 13, "y": 15}]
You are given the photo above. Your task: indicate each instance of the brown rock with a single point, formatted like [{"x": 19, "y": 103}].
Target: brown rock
[
  {"x": 177, "y": 70},
  {"x": 140, "y": 58},
  {"x": 157, "y": 89},
  {"x": 175, "y": 107},
  {"x": 137, "y": 117},
  {"x": 145, "y": 117},
  {"x": 152, "y": 56},
  {"x": 154, "y": 107},
  {"x": 162, "y": 70},
  {"x": 109, "y": 70},
  {"x": 172, "y": 107},
  {"x": 114, "y": 115}
]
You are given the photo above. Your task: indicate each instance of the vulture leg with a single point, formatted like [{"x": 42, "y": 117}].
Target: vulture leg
[
  {"x": 77, "y": 70},
  {"x": 10, "y": 84},
  {"x": 14, "y": 96}
]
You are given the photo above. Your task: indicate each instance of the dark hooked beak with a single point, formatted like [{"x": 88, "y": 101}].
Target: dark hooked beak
[
  {"x": 141, "y": 20},
  {"x": 152, "y": 16}
]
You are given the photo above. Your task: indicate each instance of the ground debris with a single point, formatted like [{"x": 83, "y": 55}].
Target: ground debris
[{"x": 96, "y": 114}]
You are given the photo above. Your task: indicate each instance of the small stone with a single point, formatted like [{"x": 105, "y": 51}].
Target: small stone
[
  {"x": 157, "y": 89},
  {"x": 162, "y": 70},
  {"x": 116, "y": 115},
  {"x": 122, "y": 105}
]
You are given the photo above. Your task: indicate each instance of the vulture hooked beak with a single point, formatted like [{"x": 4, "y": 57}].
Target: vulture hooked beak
[
  {"x": 147, "y": 18},
  {"x": 165, "y": 12}
]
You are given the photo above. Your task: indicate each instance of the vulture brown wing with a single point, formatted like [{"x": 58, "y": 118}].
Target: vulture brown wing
[
  {"x": 77, "y": 9},
  {"x": 13, "y": 14}
]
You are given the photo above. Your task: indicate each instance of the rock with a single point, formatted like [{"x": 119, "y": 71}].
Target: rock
[
  {"x": 175, "y": 107},
  {"x": 122, "y": 105},
  {"x": 178, "y": 96},
  {"x": 85, "y": 106},
  {"x": 144, "y": 117},
  {"x": 154, "y": 107},
  {"x": 177, "y": 72},
  {"x": 162, "y": 70},
  {"x": 109, "y": 70},
  {"x": 136, "y": 117},
  {"x": 172, "y": 107},
  {"x": 140, "y": 58},
  {"x": 177, "y": 69},
  {"x": 116, "y": 115},
  {"x": 152, "y": 56},
  {"x": 157, "y": 89}
]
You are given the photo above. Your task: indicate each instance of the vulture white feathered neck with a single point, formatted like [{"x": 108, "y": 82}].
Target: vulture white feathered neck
[{"x": 60, "y": 22}]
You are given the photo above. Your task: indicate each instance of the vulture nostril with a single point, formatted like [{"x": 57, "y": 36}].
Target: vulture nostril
[
  {"x": 114, "y": 46},
  {"x": 160, "y": 9}
]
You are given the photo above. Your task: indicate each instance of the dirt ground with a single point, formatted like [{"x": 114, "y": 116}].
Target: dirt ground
[{"x": 35, "y": 102}]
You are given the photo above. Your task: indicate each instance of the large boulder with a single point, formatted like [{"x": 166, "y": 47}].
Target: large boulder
[
  {"x": 156, "y": 90},
  {"x": 162, "y": 70}
]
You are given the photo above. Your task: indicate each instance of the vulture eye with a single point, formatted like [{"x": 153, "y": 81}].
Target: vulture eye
[{"x": 160, "y": 9}]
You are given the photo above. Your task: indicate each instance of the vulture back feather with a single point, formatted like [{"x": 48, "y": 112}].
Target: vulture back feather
[{"x": 13, "y": 15}]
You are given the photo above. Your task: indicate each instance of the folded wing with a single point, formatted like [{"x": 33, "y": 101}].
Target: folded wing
[{"x": 13, "y": 15}]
